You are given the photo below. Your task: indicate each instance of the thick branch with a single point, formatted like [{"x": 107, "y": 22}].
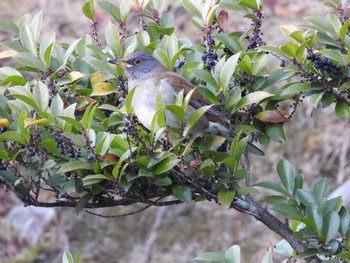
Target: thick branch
[{"x": 249, "y": 206}]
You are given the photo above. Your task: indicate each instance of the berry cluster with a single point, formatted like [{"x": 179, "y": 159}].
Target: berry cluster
[
  {"x": 209, "y": 58},
  {"x": 228, "y": 51},
  {"x": 255, "y": 40},
  {"x": 325, "y": 64},
  {"x": 130, "y": 123},
  {"x": 66, "y": 146}
]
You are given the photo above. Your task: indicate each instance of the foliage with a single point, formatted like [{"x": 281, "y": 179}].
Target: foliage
[{"x": 67, "y": 126}]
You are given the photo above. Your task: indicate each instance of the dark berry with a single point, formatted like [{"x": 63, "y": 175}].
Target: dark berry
[
  {"x": 215, "y": 56},
  {"x": 2, "y": 129},
  {"x": 30, "y": 153},
  {"x": 283, "y": 64},
  {"x": 90, "y": 157}
]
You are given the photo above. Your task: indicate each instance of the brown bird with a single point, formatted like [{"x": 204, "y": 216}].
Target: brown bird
[{"x": 149, "y": 78}]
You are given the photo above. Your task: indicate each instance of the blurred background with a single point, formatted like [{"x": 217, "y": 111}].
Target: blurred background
[{"x": 318, "y": 145}]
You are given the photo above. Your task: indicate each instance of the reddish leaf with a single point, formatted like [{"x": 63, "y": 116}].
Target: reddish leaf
[
  {"x": 194, "y": 164},
  {"x": 272, "y": 116},
  {"x": 222, "y": 19}
]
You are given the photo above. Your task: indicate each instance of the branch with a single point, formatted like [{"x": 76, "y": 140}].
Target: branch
[{"x": 249, "y": 206}]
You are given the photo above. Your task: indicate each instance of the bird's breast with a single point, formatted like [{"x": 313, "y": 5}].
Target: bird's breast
[{"x": 144, "y": 99}]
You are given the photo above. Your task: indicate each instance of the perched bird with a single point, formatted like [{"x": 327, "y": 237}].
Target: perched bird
[{"x": 149, "y": 77}]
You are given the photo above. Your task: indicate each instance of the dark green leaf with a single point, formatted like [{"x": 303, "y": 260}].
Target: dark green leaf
[
  {"x": 74, "y": 166},
  {"x": 182, "y": 192},
  {"x": 331, "y": 223},
  {"x": 342, "y": 110},
  {"x": 314, "y": 213},
  {"x": 12, "y": 136},
  {"x": 165, "y": 165},
  {"x": 287, "y": 210},
  {"x": 286, "y": 174},
  {"x": 275, "y": 132},
  {"x": 320, "y": 188},
  {"x": 306, "y": 197},
  {"x": 344, "y": 221},
  {"x": 83, "y": 201},
  {"x": 273, "y": 186},
  {"x": 56, "y": 180}
]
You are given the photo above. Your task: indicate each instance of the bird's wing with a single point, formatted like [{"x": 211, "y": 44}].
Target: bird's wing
[{"x": 197, "y": 100}]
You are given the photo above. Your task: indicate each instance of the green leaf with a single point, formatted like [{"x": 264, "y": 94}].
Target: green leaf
[
  {"x": 315, "y": 98},
  {"x": 233, "y": 254},
  {"x": 9, "y": 26},
  {"x": 273, "y": 186},
  {"x": 344, "y": 221},
  {"x": 275, "y": 132},
  {"x": 295, "y": 88},
  {"x": 113, "y": 38},
  {"x": 254, "y": 97},
  {"x": 182, "y": 192},
  {"x": 12, "y": 136},
  {"x": 46, "y": 48},
  {"x": 41, "y": 96},
  {"x": 67, "y": 257},
  {"x": 111, "y": 9},
  {"x": 125, "y": 8},
  {"x": 74, "y": 166},
  {"x": 27, "y": 39},
  {"x": 225, "y": 198},
  {"x": 252, "y": 4},
  {"x": 286, "y": 174},
  {"x": 56, "y": 180},
  {"x": 246, "y": 64},
  {"x": 287, "y": 210},
  {"x": 227, "y": 71},
  {"x": 95, "y": 179},
  {"x": 192, "y": 120},
  {"x": 306, "y": 197},
  {"x": 36, "y": 24},
  {"x": 314, "y": 214},
  {"x": 344, "y": 30},
  {"x": 211, "y": 256},
  {"x": 193, "y": 7},
  {"x": 30, "y": 60},
  {"x": 89, "y": 116},
  {"x": 165, "y": 165},
  {"x": 342, "y": 110},
  {"x": 177, "y": 111},
  {"x": 331, "y": 223},
  {"x": 205, "y": 76},
  {"x": 83, "y": 201},
  {"x": 320, "y": 188},
  {"x": 162, "y": 57},
  {"x": 89, "y": 10},
  {"x": 230, "y": 42}
]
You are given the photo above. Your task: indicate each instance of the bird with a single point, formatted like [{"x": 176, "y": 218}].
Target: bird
[{"x": 149, "y": 77}]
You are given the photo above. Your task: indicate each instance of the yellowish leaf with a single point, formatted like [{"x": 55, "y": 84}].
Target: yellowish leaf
[
  {"x": 103, "y": 89},
  {"x": 32, "y": 121},
  {"x": 8, "y": 54}
]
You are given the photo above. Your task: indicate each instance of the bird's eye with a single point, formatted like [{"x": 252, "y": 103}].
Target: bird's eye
[{"x": 137, "y": 61}]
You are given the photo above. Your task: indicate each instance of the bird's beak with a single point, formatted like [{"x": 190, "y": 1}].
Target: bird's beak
[{"x": 119, "y": 62}]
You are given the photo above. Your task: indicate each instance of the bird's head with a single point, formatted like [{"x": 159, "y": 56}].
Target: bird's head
[{"x": 138, "y": 65}]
